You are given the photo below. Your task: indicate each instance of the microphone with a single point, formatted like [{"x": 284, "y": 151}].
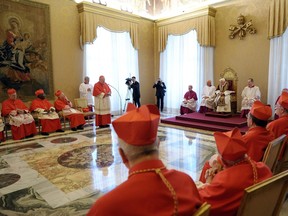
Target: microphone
[{"x": 119, "y": 97}]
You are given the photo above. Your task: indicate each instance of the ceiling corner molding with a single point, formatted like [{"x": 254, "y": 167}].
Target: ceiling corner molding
[{"x": 204, "y": 11}]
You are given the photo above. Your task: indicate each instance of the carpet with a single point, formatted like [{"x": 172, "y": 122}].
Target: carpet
[{"x": 207, "y": 122}]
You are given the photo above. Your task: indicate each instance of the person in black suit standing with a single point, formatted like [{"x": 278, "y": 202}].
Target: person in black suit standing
[
  {"x": 160, "y": 93},
  {"x": 136, "y": 91}
]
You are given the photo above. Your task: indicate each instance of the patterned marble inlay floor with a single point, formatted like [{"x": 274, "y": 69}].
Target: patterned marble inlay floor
[{"x": 65, "y": 173}]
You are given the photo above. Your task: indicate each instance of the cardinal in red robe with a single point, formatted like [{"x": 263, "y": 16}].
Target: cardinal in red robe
[
  {"x": 102, "y": 94},
  {"x": 21, "y": 121},
  {"x": 75, "y": 117},
  {"x": 47, "y": 115}
]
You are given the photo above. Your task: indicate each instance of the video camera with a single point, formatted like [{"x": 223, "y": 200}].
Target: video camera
[{"x": 128, "y": 81}]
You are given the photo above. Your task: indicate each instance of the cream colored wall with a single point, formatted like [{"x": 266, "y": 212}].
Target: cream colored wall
[
  {"x": 146, "y": 61},
  {"x": 248, "y": 57},
  {"x": 67, "y": 57}
]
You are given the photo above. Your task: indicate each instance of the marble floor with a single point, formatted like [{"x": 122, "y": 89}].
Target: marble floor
[{"x": 64, "y": 173}]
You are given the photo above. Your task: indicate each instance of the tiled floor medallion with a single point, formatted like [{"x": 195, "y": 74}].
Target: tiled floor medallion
[
  {"x": 80, "y": 158},
  {"x": 104, "y": 156},
  {"x": 64, "y": 140},
  {"x": 89, "y": 135},
  {"x": 87, "y": 157},
  {"x": 8, "y": 179}
]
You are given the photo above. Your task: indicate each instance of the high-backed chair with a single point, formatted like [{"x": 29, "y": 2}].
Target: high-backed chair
[
  {"x": 265, "y": 198},
  {"x": 272, "y": 152},
  {"x": 204, "y": 210},
  {"x": 283, "y": 162},
  {"x": 231, "y": 77}
]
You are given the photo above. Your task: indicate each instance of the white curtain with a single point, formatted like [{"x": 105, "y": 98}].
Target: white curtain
[
  {"x": 113, "y": 56},
  {"x": 182, "y": 63},
  {"x": 278, "y": 67}
]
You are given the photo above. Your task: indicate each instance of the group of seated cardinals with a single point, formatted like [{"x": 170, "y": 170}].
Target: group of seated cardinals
[{"x": 21, "y": 119}]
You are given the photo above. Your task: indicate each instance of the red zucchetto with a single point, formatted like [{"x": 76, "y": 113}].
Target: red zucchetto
[
  {"x": 39, "y": 91},
  {"x": 58, "y": 93},
  {"x": 11, "y": 91},
  {"x": 261, "y": 111},
  {"x": 138, "y": 126},
  {"x": 230, "y": 145}
]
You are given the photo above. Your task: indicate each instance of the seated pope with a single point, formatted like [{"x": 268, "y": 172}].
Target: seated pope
[
  {"x": 75, "y": 117},
  {"x": 46, "y": 113},
  {"x": 222, "y": 100},
  {"x": 21, "y": 121},
  {"x": 189, "y": 103}
]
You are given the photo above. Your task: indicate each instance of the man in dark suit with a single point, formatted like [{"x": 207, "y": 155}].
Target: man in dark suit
[
  {"x": 160, "y": 93},
  {"x": 136, "y": 91}
]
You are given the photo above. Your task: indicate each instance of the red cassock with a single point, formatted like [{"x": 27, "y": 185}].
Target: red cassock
[
  {"x": 2, "y": 137},
  {"x": 48, "y": 125},
  {"x": 76, "y": 119},
  {"x": 226, "y": 190},
  {"x": 24, "y": 129},
  {"x": 103, "y": 116},
  {"x": 257, "y": 140},
  {"x": 145, "y": 193},
  {"x": 279, "y": 127}
]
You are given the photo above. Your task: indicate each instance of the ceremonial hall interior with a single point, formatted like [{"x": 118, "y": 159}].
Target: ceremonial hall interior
[{"x": 65, "y": 173}]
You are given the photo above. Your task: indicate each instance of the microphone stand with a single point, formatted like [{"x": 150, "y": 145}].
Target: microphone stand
[{"x": 119, "y": 97}]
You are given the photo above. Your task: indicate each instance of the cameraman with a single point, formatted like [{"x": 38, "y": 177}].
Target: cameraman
[{"x": 136, "y": 91}]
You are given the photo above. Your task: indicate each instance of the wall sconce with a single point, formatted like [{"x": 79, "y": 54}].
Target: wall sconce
[
  {"x": 104, "y": 3},
  {"x": 241, "y": 28}
]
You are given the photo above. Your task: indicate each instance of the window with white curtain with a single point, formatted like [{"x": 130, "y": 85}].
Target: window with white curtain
[
  {"x": 278, "y": 67},
  {"x": 113, "y": 56},
  {"x": 184, "y": 62}
]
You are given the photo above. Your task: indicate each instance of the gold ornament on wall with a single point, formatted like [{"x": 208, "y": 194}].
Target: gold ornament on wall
[{"x": 242, "y": 28}]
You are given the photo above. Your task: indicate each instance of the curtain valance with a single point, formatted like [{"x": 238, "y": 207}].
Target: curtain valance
[
  {"x": 203, "y": 23},
  {"x": 92, "y": 16},
  {"x": 278, "y": 18}
]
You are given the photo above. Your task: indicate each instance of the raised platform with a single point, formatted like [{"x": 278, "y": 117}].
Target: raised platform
[
  {"x": 208, "y": 122},
  {"x": 220, "y": 115}
]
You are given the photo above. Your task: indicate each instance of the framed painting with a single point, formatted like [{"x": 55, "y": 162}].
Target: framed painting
[{"x": 25, "y": 48}]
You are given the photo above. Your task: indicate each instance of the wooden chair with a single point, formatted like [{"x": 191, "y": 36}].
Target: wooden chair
[
  {"x": 81, "y": 103},
  {"x": 272, "y": 152},
  {"x": 283, "y": 162},
  {"x": 204, "y": 210},
  {"x": 265, "y": 198}
]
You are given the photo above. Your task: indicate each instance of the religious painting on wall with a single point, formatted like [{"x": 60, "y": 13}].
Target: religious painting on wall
[{"x": 25, "y": 48}]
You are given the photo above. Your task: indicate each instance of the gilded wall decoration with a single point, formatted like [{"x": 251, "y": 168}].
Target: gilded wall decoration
[{"x": 241, "y": 28}]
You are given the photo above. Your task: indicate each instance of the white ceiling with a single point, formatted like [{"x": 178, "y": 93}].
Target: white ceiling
[{"x": 156, "y": 9}]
